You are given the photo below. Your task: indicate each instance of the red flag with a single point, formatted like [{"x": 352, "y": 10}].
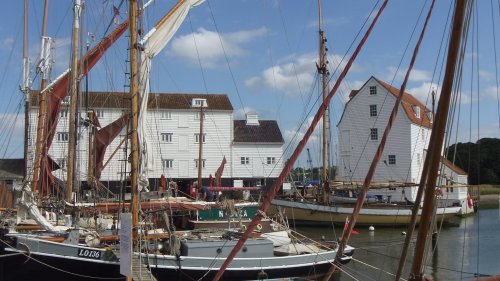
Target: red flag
[
  {"x": 346, "y": 226},
  {"x": 220, "y": 170},
  {"x": 469, "y": 201}
]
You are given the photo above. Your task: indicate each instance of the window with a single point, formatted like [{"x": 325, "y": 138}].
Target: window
[
  {"x": 99, "y": 113},
  {"x": 271, "y": 160},
  {"x": 199, "y": 103},
  {"x": 422, "y": 132},
  {"x": 167, "y": 163},
  {"x": 373, "y": 134},
  {"x": 166, "y": 137},
  {"x": 64, "y": 113},
  {"x": 416, "y": 109},
  {"x": 245, "y": 160},
  {"x": 166, "y": 115},
  {"x": 197, "y": 115},
  {"x": 202, "y": 163},
  {"x": 197, "y": 138},
  {"x": 373, "y": 110},
  {"x": 392, "y": 159},
  {"x": 373, "y": 90},
  {"x": 419, "y": 160},
  {"x": 61, "y": 162},
  {"x": 63, "y": 136}
]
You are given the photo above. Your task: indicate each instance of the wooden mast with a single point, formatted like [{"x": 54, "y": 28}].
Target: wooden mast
[
  {"x": 73, "y": 103},
  {"x": 42, "y": 111},
  {"x": 322, "y": 69},
  {"x": 134, "y": 93},
  {"x": 200, "y": 147},
  {"x": 433, "y": 157}
]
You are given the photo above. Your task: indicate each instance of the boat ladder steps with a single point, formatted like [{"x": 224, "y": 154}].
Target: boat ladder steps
[{"x": 140, "y": 271}]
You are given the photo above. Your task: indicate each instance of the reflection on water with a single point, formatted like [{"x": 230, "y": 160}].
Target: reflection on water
[{"x": 470, "y": 249}]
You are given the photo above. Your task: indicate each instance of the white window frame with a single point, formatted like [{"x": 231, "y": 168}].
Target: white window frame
[
  {"x": 166, "y": 137},
  {"x": 373, "y": 90},
  {"x": 64, "y": 113},
  {"x": 271, "y": 160},
  {"x": 391, "y": 159},
  {"x": 62, "y": 136},
  {"x": 99, "y": 113},
  {"x": 373, "y": 110},
  {"x": 166, "y": 115},
  {"x": 197, "y": 115},
  {"x": 373, "y": 134},
  {"x": 245, "y": 160},
  {"x": 203, "y": 162},
  {"x": 197, "y": 138},
  {"x": 167, "y": 163},
  {"x": 199, "y": 102}
]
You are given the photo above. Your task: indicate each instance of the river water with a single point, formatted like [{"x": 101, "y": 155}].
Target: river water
[{"x": 465, "y": 251}]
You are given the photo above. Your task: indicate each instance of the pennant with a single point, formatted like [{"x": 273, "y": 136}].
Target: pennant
[{"x": 220, "y": 170}]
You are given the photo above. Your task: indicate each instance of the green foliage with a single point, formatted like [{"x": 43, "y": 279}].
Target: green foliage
[{"x": 481, "y": 160}]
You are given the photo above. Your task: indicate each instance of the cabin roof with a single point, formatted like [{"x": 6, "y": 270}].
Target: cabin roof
[
  {"x": 267, "y": 131},
  {"x": 408, "y": 103},
  {"x": 155, "y": 100},
  {"x": 11, "y": 169}
]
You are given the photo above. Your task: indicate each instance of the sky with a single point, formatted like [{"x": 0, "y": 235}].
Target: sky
[{"x": 263, "y": 54}]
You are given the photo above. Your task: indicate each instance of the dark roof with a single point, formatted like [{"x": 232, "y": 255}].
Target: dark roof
[
  {"x": 407, "y": 103},
  {"x": 156, "y": 100},
  {"x": 267, "y": 131},
  {"x": 11, "y": 168}
]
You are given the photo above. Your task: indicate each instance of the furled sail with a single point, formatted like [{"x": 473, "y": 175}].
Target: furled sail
[{"x": 154, "y": 41}]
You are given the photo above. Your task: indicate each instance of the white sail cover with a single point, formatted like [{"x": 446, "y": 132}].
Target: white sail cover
[{"x": 154, "y": 41}]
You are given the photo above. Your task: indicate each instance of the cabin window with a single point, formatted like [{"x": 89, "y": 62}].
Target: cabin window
[
  {"x": 64, "y": 113},
  {"x": 197, "y": 138},
  {"x": 166, "y": 115},
  {"x": 419, "y": 159},
  {"x": 271, "y": 160},
  {"x": 99, "y": 113},
  {"x": 373, "y": 134},
  {"x": 373, "y": 110},
  {"x": 422, "y": 132},
  {"x": 166, "y": 137},
  {"x": 167, "y": 163},
  {"x": 202, "y": 163},
  {"x": 392, "y": 159},
  {"x": 245, "y": 160},
  {"x": 63, "y": 136},
  {"x": 373, "y": 90}
]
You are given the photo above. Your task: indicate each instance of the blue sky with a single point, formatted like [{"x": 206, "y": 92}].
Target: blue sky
[{"x": 262, "y": 54}]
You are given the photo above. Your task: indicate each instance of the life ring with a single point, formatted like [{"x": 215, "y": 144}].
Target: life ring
[{"x": 259, "y": 227}]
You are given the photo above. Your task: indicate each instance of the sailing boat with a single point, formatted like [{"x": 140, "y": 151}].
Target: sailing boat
[
  {"x": 329, "y": 208},
  {"x": 186, "y": 255}
]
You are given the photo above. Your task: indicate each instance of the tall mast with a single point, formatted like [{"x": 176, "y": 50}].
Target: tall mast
[
  {"x": 322, "y": 69},
  {"x": 433, "y": 157},
  {"x": 42, "y": 103},
  {"x": 200, "y": 147},
  {"x": 25, "y": 85},
  {"x": 73, "y": 103},
  {"x": 134, "y": 93}
]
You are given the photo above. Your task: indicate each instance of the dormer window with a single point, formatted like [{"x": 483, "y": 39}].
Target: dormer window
[
  {"x": 429, "y": 116},
  {"x": 199, "y": 102},
  {"x": 252, "y": 120},
  {"x": 416, "y": 109},
  {"x": 373, "y": 90}
]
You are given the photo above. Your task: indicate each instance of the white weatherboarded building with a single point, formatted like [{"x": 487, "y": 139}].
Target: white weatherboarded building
[
  {"x": 174, "y": 134},
  {"x": 361, "y": 128}
]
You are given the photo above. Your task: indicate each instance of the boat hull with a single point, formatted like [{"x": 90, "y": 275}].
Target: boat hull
[{"x": 315, "y": 214}]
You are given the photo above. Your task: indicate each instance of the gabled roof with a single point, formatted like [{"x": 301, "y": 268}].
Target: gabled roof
[
  {"x": 408, "y": 103},
  {"x": 267, "y": 131},
  {"x": 457, "y": 170},
  {"x": 155, "y": 100},
  {"x": 11, "y": 169}
]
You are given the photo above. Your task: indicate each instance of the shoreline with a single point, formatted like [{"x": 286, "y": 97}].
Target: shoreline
[{"x": 489, "y": 201}]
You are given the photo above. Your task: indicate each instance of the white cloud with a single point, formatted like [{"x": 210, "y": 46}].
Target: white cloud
[
  {"x": 7, "y": 43},
  {"x": 492, "y": 92},
  {"x": 240, "y": 113},
  {"x": 211, "y": 47},
  {"x": 423, "y": 92},
  {"x": 416, "y": 75}
]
